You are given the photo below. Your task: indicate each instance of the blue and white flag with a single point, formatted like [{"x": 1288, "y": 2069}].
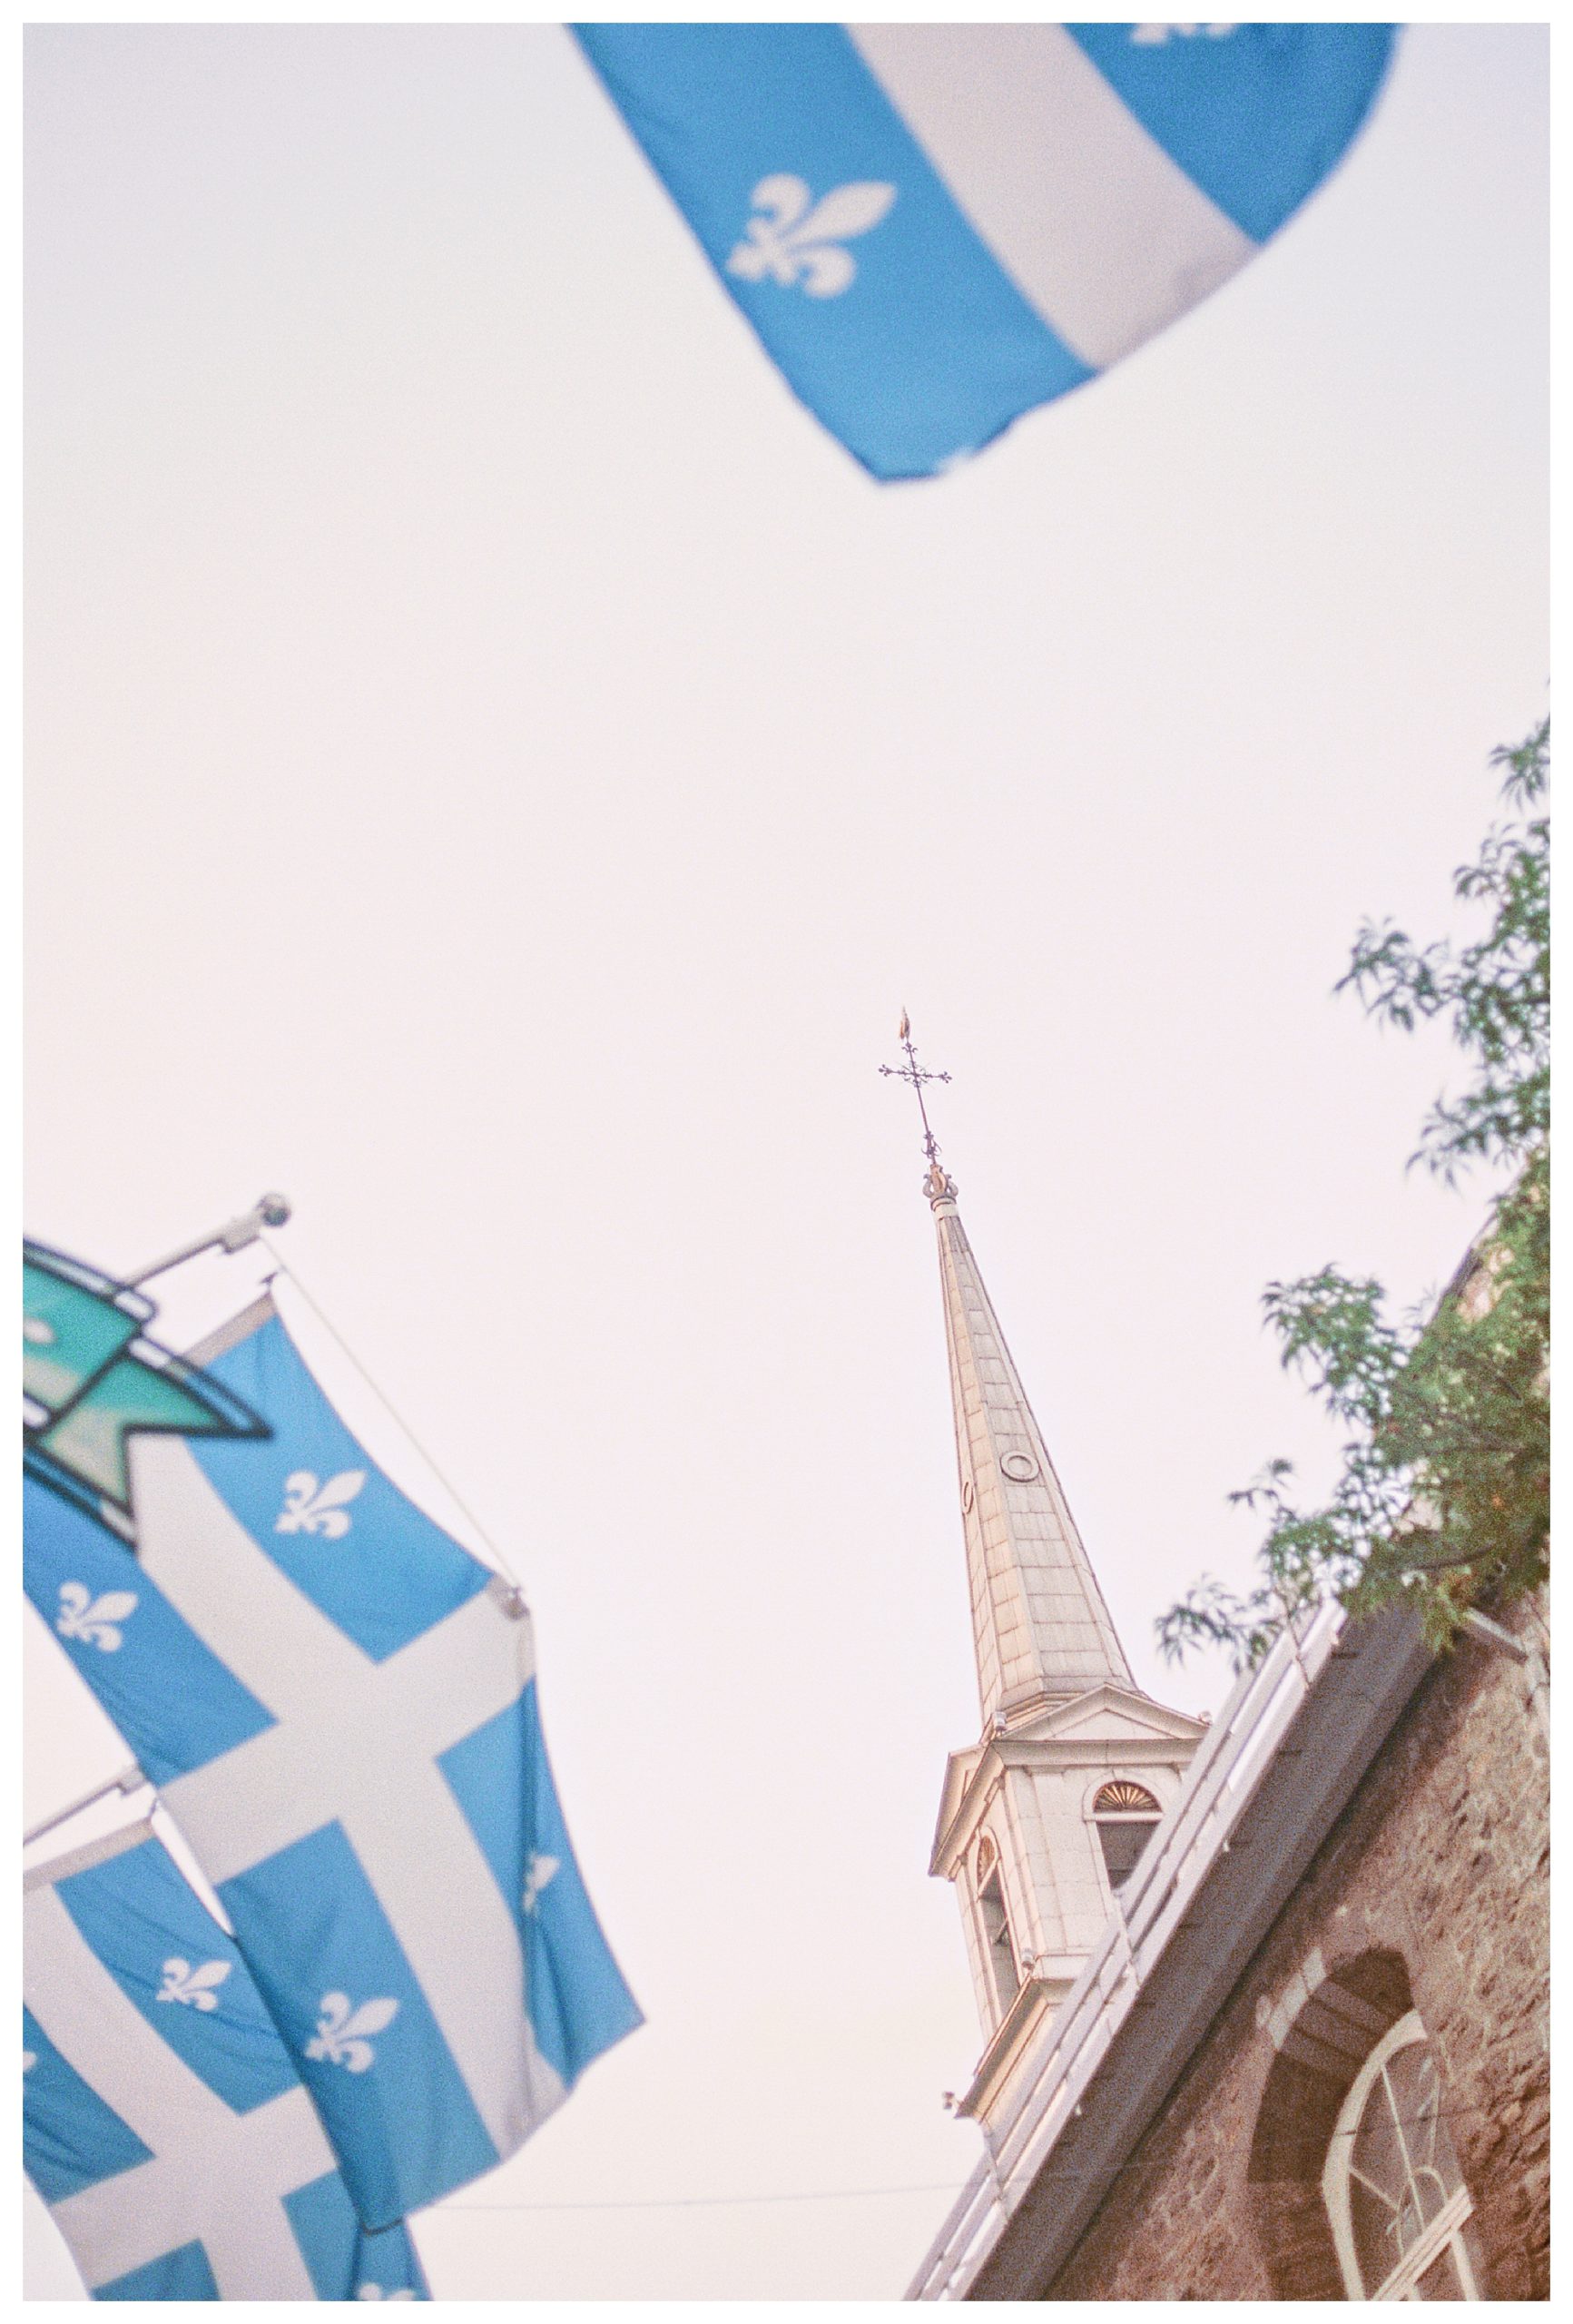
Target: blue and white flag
[
  {"x": 164, "y": 2123},
  {"x": 932, "y": 228},
  {"x": 338, "y": 1703}
]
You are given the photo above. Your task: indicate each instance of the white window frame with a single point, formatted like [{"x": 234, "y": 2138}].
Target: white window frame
[
  {"x": 994, "y": 1878},
  {"x": 1443, "y": 2233},
  {"x": 1149, "y": 1817}
]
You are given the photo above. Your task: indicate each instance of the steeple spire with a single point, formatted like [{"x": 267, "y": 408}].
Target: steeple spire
[
  {"x": 1040, "y": 1627},
  {"x": 1042, "y": 1631}
]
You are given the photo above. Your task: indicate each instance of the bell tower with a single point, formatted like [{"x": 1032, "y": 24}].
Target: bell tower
[{"x": 1043, "y": 1819}]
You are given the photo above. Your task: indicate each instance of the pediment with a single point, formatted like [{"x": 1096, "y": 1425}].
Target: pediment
[
  {"x": 1108, "y": 1723},
  {"x": 1108, "y": 1711}
]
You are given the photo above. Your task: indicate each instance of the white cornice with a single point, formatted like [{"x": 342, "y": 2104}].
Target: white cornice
[
  {"x": 1039, "y": 1997},
  {"x": 1059, "y": 1718}
]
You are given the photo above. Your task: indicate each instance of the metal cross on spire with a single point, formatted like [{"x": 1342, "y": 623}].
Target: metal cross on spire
[{"x": 917, "y": 1075}]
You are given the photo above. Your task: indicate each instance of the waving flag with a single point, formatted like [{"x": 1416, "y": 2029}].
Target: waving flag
[
  {"x": 932, "y": 228},
  {"x": 164, "y": 2123},
  {"x": 338, "y": 1705}
]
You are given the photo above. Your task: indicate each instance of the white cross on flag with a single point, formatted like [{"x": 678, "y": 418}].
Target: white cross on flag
[
  {"x": 164, "y": 2123},
  {"x": 338, "y": 1705}
]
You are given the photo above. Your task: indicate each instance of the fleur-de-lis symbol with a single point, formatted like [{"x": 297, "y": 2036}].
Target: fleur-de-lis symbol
[
  {"x": 1156, "y": 35},
  {"x": 312, "y": 1507},
  {"x": 538, "y": 1872},
  {"x": 29, "y": 2060},
  {"x": 193, "y": 1986},
  {"x": 374, "y": 2292},
  {"x": 791, "y": 243},
  {"x": 95, "y": 1620},
  {"x": 341, "y": 2030}
]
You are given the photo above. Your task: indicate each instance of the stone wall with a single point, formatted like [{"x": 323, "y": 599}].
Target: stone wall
[{"x": 1432, "y": 1892}]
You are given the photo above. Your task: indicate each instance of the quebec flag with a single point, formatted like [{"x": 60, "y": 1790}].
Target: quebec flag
[
  {"x": 164, "y": 2123},
  {"x": 337, "y": 1704},
  {"x": 934, "y": 227}
]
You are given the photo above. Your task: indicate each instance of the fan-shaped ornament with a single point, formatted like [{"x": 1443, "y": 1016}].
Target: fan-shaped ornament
[{"x": 1124, "y": 1800}]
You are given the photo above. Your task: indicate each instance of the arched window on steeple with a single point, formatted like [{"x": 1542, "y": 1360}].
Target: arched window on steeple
[
  {"x": 1124, "y": 1813},
  {"x": 996, "y": 1924}
]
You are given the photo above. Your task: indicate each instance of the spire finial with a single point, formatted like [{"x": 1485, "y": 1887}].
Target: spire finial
[{"x": 937, "y": 1185}]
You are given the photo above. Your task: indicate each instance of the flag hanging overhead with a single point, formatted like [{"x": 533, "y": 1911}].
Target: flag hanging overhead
[
  {"x": 164, "y": 2123},
  {"x": 933, "y": 228},
  {"x": 338, "y": 1705}
]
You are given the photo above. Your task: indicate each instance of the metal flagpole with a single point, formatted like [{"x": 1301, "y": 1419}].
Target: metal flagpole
[
  {"x": 271, "y": 1210},
  {"x": 129, "y": 1779}
]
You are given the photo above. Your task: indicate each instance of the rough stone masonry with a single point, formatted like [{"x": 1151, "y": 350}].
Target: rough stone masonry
[{"x": 1431, "y": 1893}]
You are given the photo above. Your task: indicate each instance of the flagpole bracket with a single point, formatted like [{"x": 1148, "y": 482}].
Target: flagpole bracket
[{"x": 270, "y": 1210}]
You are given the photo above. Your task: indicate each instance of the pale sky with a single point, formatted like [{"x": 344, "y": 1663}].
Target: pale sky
[{"x": 499, "y": 771}]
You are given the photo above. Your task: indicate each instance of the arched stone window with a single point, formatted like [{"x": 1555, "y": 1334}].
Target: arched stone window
[
  {"x": 1337, "y": 2038},
  {"x": 998, "y": 1949},
  {"x": 1124, "y": 1813},
  {"x": 1391, "y": 2183}
]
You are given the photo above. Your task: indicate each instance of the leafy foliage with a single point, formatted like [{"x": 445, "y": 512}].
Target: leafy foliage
[{"x": 1445, "y": 1483}]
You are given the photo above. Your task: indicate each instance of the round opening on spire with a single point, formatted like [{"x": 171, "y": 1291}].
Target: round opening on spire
[{"x": 1019, "y": 1466}]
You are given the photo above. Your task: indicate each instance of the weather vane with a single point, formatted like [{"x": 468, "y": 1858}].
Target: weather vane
[{"x": 917, "y": 1075}]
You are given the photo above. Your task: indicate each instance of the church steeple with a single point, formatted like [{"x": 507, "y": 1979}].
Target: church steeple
[
  {"x": 1039, "y": 1624},
  {"x": 1043, "y": 1819}
]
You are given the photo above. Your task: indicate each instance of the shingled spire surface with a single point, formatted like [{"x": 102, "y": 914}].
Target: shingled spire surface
[{"x": 1042, "y": 1631}]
